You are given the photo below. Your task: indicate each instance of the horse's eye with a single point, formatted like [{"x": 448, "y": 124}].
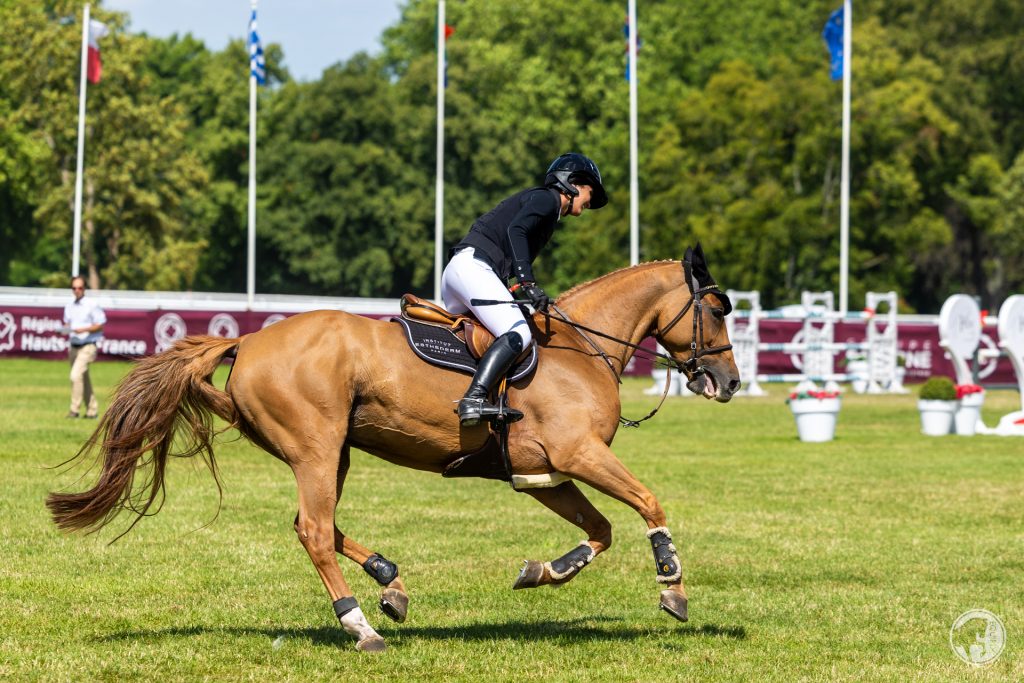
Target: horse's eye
[{"x": 719, "y": 313}]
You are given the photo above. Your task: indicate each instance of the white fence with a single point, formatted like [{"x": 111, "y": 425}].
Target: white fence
[{"x": 871, "y": 365}]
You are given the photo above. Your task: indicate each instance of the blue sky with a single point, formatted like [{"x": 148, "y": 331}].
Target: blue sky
[{"x": 313, "y": 33}]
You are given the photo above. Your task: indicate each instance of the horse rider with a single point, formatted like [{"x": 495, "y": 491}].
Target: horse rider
[{"x": 501, "y": 244}]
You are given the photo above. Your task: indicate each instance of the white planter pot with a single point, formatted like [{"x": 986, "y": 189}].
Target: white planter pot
[
  {"x": 968, "y": 413},
  {"x": 937, "y": 417},
  {"x": 815, "y": 418},
  {"x": 860, "y": 369}
]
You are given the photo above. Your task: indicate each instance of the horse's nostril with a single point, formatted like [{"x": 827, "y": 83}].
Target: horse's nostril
[{"x": 734, "y": 386}]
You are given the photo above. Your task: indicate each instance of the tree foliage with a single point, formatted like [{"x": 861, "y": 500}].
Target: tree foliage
[{"x": 739, "y": 148}]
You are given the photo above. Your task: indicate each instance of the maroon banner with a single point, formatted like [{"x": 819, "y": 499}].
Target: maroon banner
[{"x": 31, "y": 331}]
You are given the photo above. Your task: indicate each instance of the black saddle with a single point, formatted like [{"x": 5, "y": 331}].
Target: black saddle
[{"x": 453, "y": 341}]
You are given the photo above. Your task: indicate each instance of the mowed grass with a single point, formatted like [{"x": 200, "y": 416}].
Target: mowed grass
[{"x": 840, "y": 561}]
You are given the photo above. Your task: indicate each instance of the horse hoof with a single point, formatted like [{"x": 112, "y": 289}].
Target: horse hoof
[
  {"x": 394, "y": 604},
  {"x": 675, "y": 604},
  {"x": 530, "y": 575},
  {"x": 371, "y": 644}
]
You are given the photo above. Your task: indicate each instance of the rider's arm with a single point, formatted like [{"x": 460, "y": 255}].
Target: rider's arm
[{"x": 538, "y": 208}]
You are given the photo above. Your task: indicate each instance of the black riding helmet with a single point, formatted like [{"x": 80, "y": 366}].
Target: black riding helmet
[{"x": 575, "y": 168}]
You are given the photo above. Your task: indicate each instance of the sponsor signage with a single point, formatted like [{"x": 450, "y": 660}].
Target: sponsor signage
[{"x": 35, "y": 332}]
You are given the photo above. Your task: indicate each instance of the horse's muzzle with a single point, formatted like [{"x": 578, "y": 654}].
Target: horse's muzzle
[{"x": 710, "y": 383}]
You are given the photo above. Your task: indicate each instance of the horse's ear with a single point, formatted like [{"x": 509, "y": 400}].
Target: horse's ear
[
  {"x": 698, "y": 254},
  {"x": 688, "y": 270},
  {"x": 700, "y": 267},
  {"x": 703, "y": 277}
]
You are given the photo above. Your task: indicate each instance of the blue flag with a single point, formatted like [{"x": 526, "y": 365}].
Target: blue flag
[
  {"x": 625, "y": 32},
  {"x": 256, "y": 66},
  {"x": 833, "y": 35}
]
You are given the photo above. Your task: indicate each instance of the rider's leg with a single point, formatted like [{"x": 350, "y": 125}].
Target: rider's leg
[
  {"x": 475, "y": 405},
  {"x": 465, "y": 278}
]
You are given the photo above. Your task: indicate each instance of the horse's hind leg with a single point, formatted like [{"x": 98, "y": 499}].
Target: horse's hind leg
[
  {"x": 569, "y": 503},
  {"x": 394, "y": 602},
  {"x": 597, "y": 466},
  {"x": 314, "y": 524}
]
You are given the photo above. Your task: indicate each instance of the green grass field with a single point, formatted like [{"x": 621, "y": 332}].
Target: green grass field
[{"x": 838, "y": 561}]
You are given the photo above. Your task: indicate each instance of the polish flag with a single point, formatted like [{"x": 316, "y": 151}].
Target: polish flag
[{"x": 97, "y": 30}]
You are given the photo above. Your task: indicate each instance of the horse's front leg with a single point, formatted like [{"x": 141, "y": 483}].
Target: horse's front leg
[
  {"x": 569, "y": 503},
  {"x": 597, "y": 466}
]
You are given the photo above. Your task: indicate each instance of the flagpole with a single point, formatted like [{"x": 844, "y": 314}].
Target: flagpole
[
  {"x": 79, "y": 162},
  {"x": 250, "y": 275},
  {"x": 844, "y": 201},
  {"x": 634, "y": 183},
  {"x": 439, "y": 170}
]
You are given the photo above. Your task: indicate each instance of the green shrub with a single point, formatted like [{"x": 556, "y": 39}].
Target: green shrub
[{"x": 938, "y": 389}]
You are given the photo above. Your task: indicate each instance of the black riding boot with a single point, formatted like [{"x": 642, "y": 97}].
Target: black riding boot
[{"x": 497, "y": 360}]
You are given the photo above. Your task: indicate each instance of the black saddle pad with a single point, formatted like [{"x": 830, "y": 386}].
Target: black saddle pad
[{"x": 440, "y": 346}]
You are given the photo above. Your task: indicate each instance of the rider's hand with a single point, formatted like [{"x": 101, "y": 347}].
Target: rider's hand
[{"x": 537, "y": 297}]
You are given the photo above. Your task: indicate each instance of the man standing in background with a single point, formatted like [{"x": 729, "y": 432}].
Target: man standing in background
[{"x": 84, "y": 322}]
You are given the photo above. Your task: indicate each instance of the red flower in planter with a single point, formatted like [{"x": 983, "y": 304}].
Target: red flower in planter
[
  {"x": 820, "y": 395},
  {"x": 967, "y": 389}
]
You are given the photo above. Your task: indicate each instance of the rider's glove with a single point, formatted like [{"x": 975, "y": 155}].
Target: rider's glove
[{"x": 537, "y": 297}]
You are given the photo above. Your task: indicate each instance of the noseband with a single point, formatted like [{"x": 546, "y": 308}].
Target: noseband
[{"x": 697, "y": 349}]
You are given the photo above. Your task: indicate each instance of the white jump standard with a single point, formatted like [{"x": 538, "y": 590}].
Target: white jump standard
[{"x": 817, "y": 346}]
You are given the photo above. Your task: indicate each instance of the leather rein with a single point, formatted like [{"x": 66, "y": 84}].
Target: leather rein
[{"x": 690, "y": 366}]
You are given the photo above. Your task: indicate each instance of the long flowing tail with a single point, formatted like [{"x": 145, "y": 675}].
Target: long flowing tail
[{"x": 163, "y": 394}]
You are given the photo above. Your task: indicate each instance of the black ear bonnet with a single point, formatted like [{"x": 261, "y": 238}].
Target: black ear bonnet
[{"x": 699, "y": 279}]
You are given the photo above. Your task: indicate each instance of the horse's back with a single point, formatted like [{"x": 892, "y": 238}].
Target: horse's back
[
  {"x": 328, "y": 343},
  {"x": 354, "y": 370}
]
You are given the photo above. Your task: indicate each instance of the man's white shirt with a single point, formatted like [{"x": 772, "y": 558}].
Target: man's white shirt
[{"x": 84, "y": 313}]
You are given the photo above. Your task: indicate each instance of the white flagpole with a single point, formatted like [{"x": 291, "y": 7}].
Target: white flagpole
[
  {"x": 250, "y": 275},
  {"x": 77, "y": 248},
  {"x": 844, "y": 201},
  {"x": 439, "y": 171},
  {"x": 634, "y": 183}
]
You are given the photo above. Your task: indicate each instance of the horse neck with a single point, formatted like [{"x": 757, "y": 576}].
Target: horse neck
[{"x": 623, "y": 304}]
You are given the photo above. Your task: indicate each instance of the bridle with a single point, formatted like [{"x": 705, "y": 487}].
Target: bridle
[
  {"x": 697, "y": 348},
  {"x": 691, "y": 366}
]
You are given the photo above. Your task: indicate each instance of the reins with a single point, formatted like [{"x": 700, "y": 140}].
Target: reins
[
  {"x": 690, "y": 365},
  {"x": 624, "y": 421},
  {"x": 562, "y": 317}
]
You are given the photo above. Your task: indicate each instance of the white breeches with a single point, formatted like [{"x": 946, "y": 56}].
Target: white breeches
[{"x": 465, "y": 278}]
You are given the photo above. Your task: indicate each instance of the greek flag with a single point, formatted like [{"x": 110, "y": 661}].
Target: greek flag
[
  {"x": 256, "y": 65},
  {"x": 833, "y": 36}
]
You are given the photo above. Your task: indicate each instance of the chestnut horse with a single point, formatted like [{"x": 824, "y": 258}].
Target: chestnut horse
[{"x": 311, "y": 387}]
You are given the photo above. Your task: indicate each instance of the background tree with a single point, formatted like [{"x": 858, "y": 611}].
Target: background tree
[
  {"x": 739, "y": 148},
  {"x": 137, "y": 230}
]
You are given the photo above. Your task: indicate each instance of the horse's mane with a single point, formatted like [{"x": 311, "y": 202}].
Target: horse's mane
[{"x": 601, "y": 278}]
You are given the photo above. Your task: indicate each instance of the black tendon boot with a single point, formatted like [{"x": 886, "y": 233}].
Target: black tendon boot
[{"x": 475, "y": 406}]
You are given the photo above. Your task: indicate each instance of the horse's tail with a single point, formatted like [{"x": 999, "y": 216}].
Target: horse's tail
[{"x": 163, "y": 394}]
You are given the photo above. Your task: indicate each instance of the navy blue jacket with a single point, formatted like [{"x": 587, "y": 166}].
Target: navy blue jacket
[{"x": 509, "y": 236}]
